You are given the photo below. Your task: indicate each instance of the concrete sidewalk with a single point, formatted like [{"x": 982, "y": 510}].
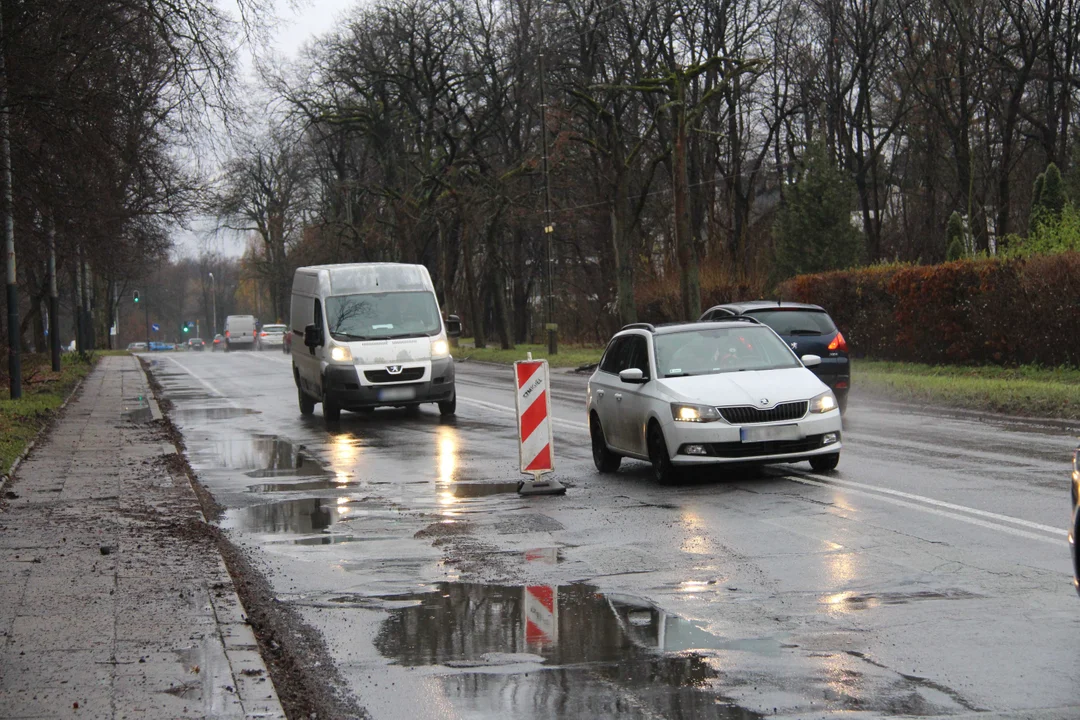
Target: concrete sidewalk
[{"x": 113, "y": 602}]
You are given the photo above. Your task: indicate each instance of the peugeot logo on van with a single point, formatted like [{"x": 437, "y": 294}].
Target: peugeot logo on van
[{"x": 393, "y": 369}]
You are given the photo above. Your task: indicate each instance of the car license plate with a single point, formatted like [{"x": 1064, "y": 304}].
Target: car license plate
[
  {"x": 399, "y": 393},
  {"x": 770, "y": 433}
]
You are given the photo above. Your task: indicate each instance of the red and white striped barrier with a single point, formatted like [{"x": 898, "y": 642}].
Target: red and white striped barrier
[
  {"x": 541, "y": 609},
  {"x": 536, "y": 451}
]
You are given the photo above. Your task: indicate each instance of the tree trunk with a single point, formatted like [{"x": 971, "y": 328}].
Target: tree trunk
[
  {"x": 689, "y": 278},
  {"x": 624, "y": 259},
  {"x": 472, "y": 291}
]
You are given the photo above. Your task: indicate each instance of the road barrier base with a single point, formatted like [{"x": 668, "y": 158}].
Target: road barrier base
[{"x": 549, "y": 486}]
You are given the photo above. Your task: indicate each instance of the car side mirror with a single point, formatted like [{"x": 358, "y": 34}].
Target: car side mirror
[
  {"x": 633, "y": 376},
  {"x": 453, "y": 326},
  {"x": 811, "y": 360},
  {"x": 312, "y": 336}
]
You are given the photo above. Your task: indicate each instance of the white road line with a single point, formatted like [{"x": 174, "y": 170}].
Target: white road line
[
  {"x": 558, "y": 422},
  {"x": 1059, "y": 541},
  {"x": 918, "y": 502},
  {"x": 942, "y": 504},
  {"x": 205, "y": 384}
]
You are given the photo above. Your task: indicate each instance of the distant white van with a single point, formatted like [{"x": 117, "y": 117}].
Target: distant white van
[
  {"x": 239, "y": 332},
  {"x": 367, "y": 335}
]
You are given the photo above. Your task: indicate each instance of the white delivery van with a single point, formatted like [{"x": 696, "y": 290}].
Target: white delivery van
[
  {"x": 239, "y": 332},
  {"x": 367, "y": 335}
]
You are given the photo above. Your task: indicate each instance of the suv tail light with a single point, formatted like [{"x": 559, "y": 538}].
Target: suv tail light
[{"x": 838, "y": 343}]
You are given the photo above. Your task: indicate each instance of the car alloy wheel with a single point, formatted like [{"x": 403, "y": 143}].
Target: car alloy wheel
[
  {"x": 605, "y": 460},
  {"x": 663, "y": 470}
]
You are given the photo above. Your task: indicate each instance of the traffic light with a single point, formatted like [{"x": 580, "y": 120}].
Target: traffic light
[
  {"x": 185, "y": 328},
  {"x": 135, "y": 297}
]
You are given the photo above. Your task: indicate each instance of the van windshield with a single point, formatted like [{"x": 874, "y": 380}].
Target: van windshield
[{"x": 379, "y": 316}]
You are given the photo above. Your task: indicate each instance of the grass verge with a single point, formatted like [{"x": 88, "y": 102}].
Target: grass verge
[
  {"x": 1030, "y": 391},
  {"x": 44, "y": 391},
  {"x": 569, "y": 356}
]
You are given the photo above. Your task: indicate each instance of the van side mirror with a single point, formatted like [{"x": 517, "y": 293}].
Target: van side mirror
[
  {"x": 453, "y": 326},
  {"x": 312, "y": 336}
]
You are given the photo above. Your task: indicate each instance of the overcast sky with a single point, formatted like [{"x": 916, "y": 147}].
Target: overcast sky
[{"x": 300, "y": 21}]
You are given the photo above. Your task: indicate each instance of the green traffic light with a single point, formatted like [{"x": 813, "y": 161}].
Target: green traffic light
[{"x": 185, "y": 328}]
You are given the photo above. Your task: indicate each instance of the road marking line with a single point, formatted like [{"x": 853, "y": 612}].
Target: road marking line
[
  {"x": 205, "y": 384},
  {"x": 876, "y": 492},
  {"x": 940, "y": 503},
  {"x": 943, "y": 513},
  {"x": 558, "y": 422}
]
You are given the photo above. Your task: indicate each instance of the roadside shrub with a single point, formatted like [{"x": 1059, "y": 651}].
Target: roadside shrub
[{"x": 1021, "y": 310}]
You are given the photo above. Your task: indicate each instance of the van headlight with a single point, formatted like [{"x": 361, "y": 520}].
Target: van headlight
[
  {"x": 682, "y": 412},
  {"x": 341, "y": 353},
  {"x": 823, "y": 403},
  {"x": 439, "y": 349}
]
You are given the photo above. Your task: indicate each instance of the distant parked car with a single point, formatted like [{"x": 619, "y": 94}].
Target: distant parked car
[
  {"x": 270, "y": 336},
  {"x": 219, "y": 343},
  {"x": 136, "y": 346},
  {"x": 161, "y": 346},
  {"x": 196, "y": 344},
  {"x": 808, "y": 329}
]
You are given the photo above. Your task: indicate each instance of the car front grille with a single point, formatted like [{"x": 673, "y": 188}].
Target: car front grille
[
  {"x": 761, "y": 449},
  {"x": 748, "y": 415},
  {"x": 382, "y": 376}
]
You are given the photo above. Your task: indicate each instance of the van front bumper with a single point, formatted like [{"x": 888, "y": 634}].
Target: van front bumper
[{"x": 344, "y": 386}]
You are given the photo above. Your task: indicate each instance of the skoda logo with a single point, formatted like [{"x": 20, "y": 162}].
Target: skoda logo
[
  {"x": 764, "y": 401},
  {"x": 393, "y": 369}
]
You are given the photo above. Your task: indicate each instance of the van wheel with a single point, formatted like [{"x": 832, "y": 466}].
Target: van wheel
[
  {"x": 307, "y": 405},
  {"x": 448, "y": 407},
  {"x": 331, "y": 410}
]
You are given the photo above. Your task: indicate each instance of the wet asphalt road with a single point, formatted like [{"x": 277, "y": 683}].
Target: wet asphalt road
[{"x": 929, "y": 575}]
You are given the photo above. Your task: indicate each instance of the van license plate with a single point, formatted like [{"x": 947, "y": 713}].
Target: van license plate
[
  {"x": 399, "y": 393},
  {"x": 770, "y": 433}
]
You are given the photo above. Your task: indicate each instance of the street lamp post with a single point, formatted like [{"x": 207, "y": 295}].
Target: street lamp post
[{"x": 213, "y": 303}]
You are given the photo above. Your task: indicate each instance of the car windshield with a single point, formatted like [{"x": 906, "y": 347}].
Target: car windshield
[
  {"x": 796, "y": 322},
  {"x": 376, "y": 316},
  {"x": 195, "y": 340},
  {"x": 274, "y": 329},
  {"x": 718, "y": 350}
]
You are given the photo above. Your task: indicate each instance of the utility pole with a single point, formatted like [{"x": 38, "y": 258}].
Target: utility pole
[
  {"x": 549, "y": 227},
  {"x": 14, "y": 359},
  {"x": 213, "y": 303},
  {"x": 54, "y": 299}
]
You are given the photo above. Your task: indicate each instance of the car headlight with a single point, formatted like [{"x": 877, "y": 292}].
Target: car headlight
[
  {"x": 439, "y": 349},
  {"x": 823, "y": 403},
  {"x": 340, "y": 353},
  {"x": 683, "y": 412}
]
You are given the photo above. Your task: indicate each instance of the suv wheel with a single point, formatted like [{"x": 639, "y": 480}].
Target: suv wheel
[
  {"x": 663, "y": 470},
  {"x": 307, "y": 405},
  {"x": 825, "y": 463},
  {"x": 605, "y": 460}
]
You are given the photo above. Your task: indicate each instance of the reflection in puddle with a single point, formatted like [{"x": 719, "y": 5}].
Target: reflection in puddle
[
  {"x": 188, "y": 415},
  {"x": 327, "y": 483},
  {"x": 292, "y": 516},
  {"x": 586, "y": 640},
  {"x": 475, "y": 490},
  {"x": 268, "y": 456},
  {"x": 867, "y": 601}
]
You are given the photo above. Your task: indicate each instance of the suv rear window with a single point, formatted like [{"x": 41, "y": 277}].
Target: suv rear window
[{"x": 796, "y": 322}]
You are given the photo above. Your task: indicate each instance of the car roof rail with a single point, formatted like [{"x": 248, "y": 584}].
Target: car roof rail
[
  {"x": 639, "y": 326},
  {"x": 736, "y": 318}
]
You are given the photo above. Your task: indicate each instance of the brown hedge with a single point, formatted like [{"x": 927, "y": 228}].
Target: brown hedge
[{"x": 1003, "y": 311}]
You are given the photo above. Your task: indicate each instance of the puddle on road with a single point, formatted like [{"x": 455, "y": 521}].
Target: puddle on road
[
  {"x": 867, "y": 601},
  {"x": 292, "y": 516},
  {"x": 479, "y": 489},
  {"x": 189, "y": 415},
  {"x": 137, "y": 415},
  {"x": 573, "y": 641},
  {"x": 326, "y": 483}
]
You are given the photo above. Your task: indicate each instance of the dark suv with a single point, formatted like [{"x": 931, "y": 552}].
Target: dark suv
[{"x": 808, "y": 329}]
